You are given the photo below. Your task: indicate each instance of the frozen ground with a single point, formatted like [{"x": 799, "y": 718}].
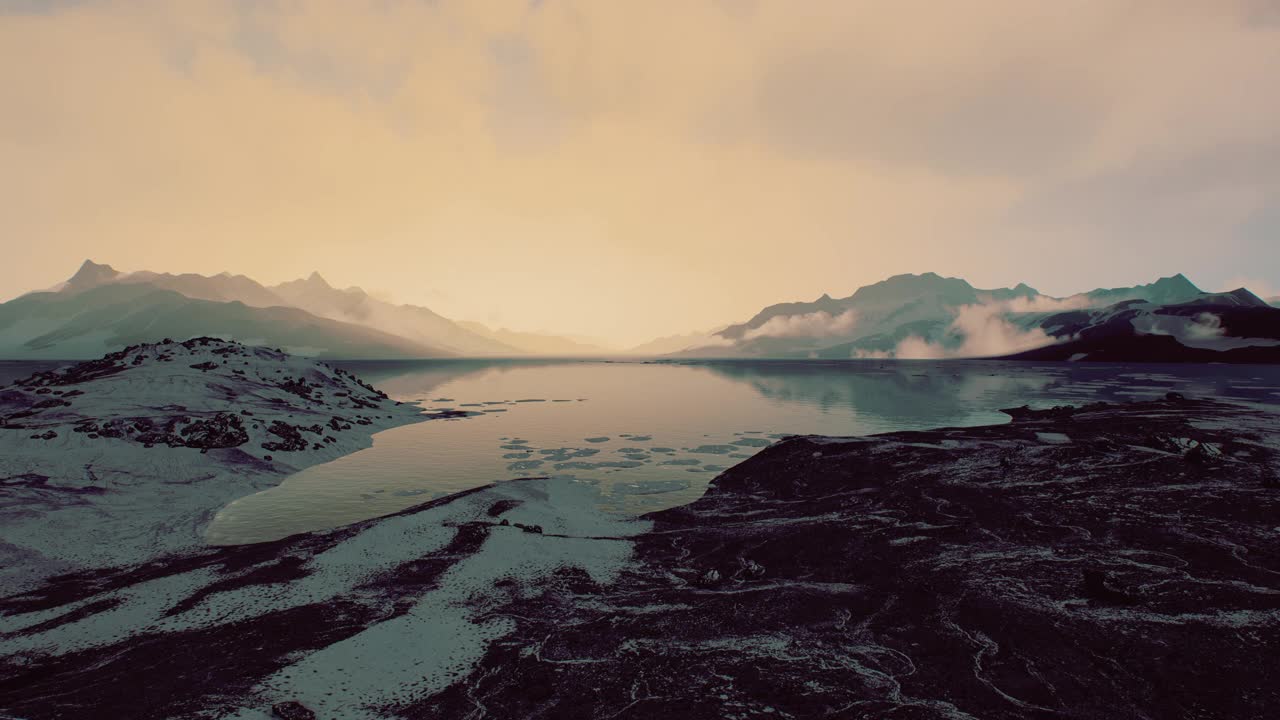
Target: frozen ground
[
  {"x": 115, "y": 461},
  {"x": 1116, "y": 560}
]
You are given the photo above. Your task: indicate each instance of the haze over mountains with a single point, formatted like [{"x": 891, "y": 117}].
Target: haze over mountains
[
  {"x": 906, "y": 316},
  {"x": 100, "y": 308},
  {"x": 929, "y": 316}
]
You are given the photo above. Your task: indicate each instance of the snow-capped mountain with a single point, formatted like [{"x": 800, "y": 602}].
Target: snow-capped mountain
[
  {"x": 1165, "y": 291},
  {"x": 1235, "y": 326},
  {"x": 929, "y": 316},
  {"x": 874, "y": 319}
]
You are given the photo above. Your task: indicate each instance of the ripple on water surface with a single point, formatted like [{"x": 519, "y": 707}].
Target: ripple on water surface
[{"x": 676, "y": 425}]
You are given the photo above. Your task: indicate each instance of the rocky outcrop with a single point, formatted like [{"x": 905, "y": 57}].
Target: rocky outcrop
[
  {"x": 1103, "y": 561},
  {"x": 141, "y": 447},
  {"x": 1108, "y": 561}
]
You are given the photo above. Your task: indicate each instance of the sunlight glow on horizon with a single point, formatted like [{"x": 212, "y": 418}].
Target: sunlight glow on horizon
[{"x": 632, "y": 170}]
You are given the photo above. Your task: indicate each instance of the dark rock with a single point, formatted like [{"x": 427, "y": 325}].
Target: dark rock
[
  {"x": 51, "y": 403},
  {"x": 962, "y": 572},
  {"x": 1098, "y": 587},
  {"x": 292, "y": 710},
  {"x": 223, "y": 430},
  {"x": 290, "y": 439},
  {"x": 914, "y": 575}
]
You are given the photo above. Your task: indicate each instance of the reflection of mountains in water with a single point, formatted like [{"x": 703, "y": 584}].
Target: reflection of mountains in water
[
  {"x": 405, "y": 378},
  {"x": 895, "y": 391},
  {"x": 889, "y": 393},
  {"x": 958, "y": 390}
]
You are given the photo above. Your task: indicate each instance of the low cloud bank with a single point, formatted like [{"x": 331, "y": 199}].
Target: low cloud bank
[
  {"x": 813, "y": 325},
  {"x": 984, "y": 330},
  {"x": 1204, "y": 326}
]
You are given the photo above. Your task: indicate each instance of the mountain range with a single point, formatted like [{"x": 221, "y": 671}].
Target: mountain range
[
  {"x": 100, "y": 309},
  {"x": 908, "y": 316},
  {"x": 929, "y": 316}
]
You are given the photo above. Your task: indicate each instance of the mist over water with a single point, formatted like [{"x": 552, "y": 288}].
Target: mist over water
[{"x": 652, "y": 435}]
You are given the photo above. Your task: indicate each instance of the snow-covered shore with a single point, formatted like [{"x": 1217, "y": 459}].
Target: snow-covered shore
[
  {"x": 1101, "y": 561},
  {"x": 114, "y": 461},
  {"x": 1106, "y": 560}
]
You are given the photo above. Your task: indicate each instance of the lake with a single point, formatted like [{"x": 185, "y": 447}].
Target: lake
[{"x": 651, "y": 435}]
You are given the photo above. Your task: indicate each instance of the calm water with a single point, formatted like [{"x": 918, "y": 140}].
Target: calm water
[{"x": 652, "y": 436}]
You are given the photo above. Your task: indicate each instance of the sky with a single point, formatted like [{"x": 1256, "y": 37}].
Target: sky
[{"x": 630, "y": 169}]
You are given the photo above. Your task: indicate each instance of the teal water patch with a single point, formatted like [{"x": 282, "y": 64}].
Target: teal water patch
[{"x": 713, "y": 449}]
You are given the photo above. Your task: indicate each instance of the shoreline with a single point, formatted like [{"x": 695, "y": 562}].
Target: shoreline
[
  {"x": 955, "y": 572},
  {"x": 119, "y": 460}
]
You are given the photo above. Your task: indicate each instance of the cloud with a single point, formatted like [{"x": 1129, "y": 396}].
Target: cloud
[
  {"x": 1043, "y": 304},
  {"x": 818, "y": 324},
  {"x": 524, "y": 157},
  {"x": 1206, "y": 327},
  {"x": 984, "y": 330}
]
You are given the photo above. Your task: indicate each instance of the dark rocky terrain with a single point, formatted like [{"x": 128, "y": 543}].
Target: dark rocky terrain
[
  {"x": 1101, "y": 562},
  {"x": 1112, "y": 561}
]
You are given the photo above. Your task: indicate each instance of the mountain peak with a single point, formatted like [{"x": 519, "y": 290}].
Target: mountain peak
[
  {"x": 915, "y": 282},
  {"x": 1178, "y": 281},
  {"x": 1245, "y": 297},
  {"x": 90, "y": 274},
  {"x": 315, "y": 279}
]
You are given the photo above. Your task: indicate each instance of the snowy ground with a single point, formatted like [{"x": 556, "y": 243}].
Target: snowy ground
[
  {"x": 110, "y": 472},
  {"x": 419, "y": 593},
  {"x": 1111, "y": 560},
  {"x": 118, "y": 460}
]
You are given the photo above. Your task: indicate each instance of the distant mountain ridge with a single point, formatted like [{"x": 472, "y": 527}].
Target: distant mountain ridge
[
  {"x": 905, "y": 316},
  {"x": 535, "y": 343},
  {"x": 1235, "y": 326},
  {"x": 416, "y": 323},
  {"x": 308, "y": 315},
  {"x": 881, "y": 312},
  {"x": 84, "y": 324},
  {"x": 931, "y": 316}
]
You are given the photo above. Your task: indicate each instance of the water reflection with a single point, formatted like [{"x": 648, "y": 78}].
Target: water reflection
[{"x": 651, "y": 435}]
